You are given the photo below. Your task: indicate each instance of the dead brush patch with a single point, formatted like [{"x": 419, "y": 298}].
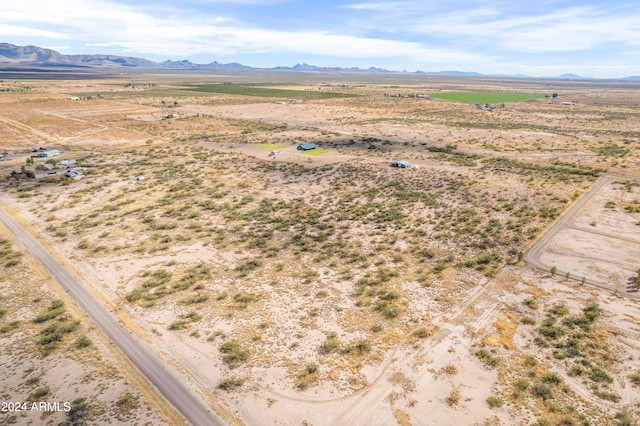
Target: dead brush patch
[{"x": 506, "y": 327}]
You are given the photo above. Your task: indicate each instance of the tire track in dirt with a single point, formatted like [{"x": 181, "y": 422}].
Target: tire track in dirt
[
  {"x": 25, "y": 128},
  {"x": 442, "y": 322}
]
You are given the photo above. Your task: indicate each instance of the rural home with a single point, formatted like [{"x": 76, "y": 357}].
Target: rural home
[
  {"x": 402, "y": 164},
  {"x": 307, "y": 146},
  {"x": 50, "y": 153},
  {"x": 62, "y": 164}
]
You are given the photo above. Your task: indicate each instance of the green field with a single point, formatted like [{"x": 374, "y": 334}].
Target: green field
[
  {"x": 250, "y": 90},
  {"x": 272, "y": 146},
  {"x": 315, "y": 152},
  {"x": 483, "y": 98}
]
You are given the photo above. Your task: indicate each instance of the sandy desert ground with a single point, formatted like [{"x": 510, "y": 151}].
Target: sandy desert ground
[{"x": 291, "y": 288}]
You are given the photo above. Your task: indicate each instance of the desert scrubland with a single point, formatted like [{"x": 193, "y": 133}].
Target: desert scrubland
[{"x": 326, "y": 287}]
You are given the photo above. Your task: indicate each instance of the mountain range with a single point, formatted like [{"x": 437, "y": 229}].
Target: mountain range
[{"x": 34, "y": 56}]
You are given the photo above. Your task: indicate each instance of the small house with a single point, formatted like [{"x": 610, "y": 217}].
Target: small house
[
  {"x": 402, "y": 164},
  {"x": 307, "y": 146},
  {"x": 63, "y": 164},
  {"x": 50, "y": 153}
]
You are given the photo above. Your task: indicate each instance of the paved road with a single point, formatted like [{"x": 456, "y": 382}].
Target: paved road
[
  {"x": 139, "y": 353},
  {"x": 531, "y": 257}
]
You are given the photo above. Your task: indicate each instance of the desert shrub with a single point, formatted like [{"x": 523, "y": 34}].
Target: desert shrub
[
  {"x": 527, "y": 321},
  {"x": 51, "y": 336},
  {"x": 331, "y": 344},
  {"x": 387, "y": 309},
  {"x": 307, "y": 376},
  {"x": 178, "y": 324},
  {"x": 607, "y": 396},
  {"x": 635, "y": 378},
  {"x": 33, "y": 381},
  {"x": 450, "y": 369},
  {"x": 11, "y": 263},
  {"x": 542, "y": 390},
  {"x": 196, "y": 298},
  {"x": 233, "y": 353},
  {"x": 243, "y": 299},
  {"x": 487, "y": 358},
  {"x": 522, "y": 385},
  {"x": 388, "y": 294},
  {"x": 495, "y": 401},
  {"x": 592, "y": 312},
  {"x": 530, "y": 361},
  {"x": 576, "y": 370},
  {"x": 550, "y": 330},
  {"x": 361, "y": 347},
  {"x": 453, "y": 398},
  {"x": 582, "y": 322},
  {"x": 558, "y": 310},
  {"x": 83, "y": 342},
  {"x": 248, "y": 266},
  {"x": 625, "y": 418},
  {"x": 552, "y": 378},
  {"x": 531, "y": 303},
  {"x": 126, "y": 404},
  {"x": 421, "y": 333},
  {"x": 192, "y": 316},
  {"x": 39, "y": 394},
  {"x": 598, "y": 375},
  {"x": 158, "y": 278},
  {"x": 78, "y": 413},
  {"x": 9, "y": 326},
  {"x": 230, "y": 384},
  {"x": 322, "y": 294},
  {"x": 55, "y": 309}
]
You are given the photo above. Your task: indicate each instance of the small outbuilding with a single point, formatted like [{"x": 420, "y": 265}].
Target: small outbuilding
[
  {"x": 401, "y": 164},
  {"x": 63, "y": 164},
  {"x": 307, "y": 146},
  {"x": 50, "y": 153}
]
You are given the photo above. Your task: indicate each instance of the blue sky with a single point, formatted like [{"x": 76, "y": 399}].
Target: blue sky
[{"x": 600, "y": 38}]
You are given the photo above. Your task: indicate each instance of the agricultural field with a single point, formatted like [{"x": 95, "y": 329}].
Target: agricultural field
[
  {"x": 327, "y": 287},
  {"x": 266, "y": 92},
  {"x": 483, "y": 98}
]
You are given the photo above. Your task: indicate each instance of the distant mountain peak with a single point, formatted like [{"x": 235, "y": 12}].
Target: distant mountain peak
[
  {"x": 34, "y": 55},
  {"x": 571, "y": 76},
  {"x": 12, "y": 55}
]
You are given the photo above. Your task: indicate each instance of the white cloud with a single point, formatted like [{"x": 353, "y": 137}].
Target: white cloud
[
  {"x": 58, "y": 48},
  {"x": 23, "y": 30},
  {"x": 384, "y": 6},
  {"x": 565, "y": 29},
  {"x": 134, "y": 32}
]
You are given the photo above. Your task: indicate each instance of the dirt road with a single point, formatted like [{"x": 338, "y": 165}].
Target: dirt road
[
  {"x": 166, "y": 381},
  {"x": 532, "y": 256}
]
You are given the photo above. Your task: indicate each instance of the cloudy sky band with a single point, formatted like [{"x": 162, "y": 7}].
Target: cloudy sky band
[{"x": 545, "y": 37}]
